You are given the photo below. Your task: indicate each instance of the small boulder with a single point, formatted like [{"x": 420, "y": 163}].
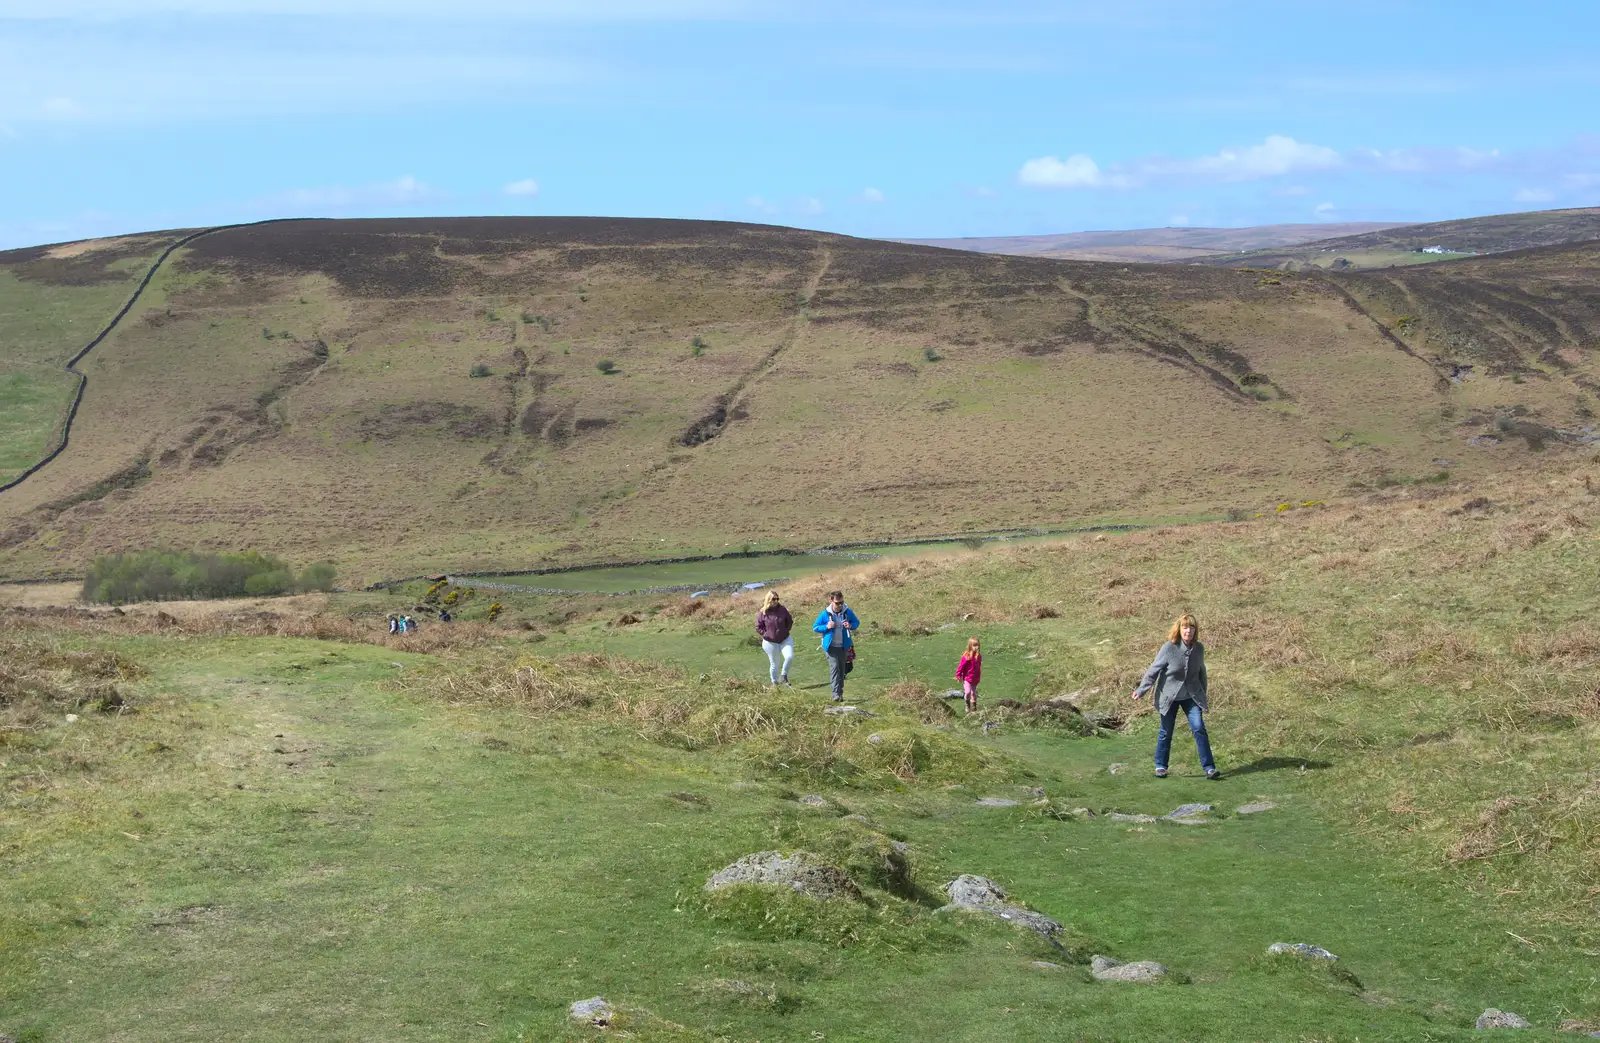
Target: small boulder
[
  {"x": 1501, "y": 1019},
  {"x": 1118, "y": 768},
  {"x": 799, "y": 871},
  {"x": 953, "y": 693},
  {"x": 1117, "y": 816},
  {"x": 1255, "y": 808},
  {"x": 1046, "y": 965},
  {"x": 984, "y": 895},
  {"x": 814, "y": 800},
  {"x": 846, "y": 711},
  {"x": 1187, "y": 811},
  {"x": 1300, "y": 949},
  {"x": 595, "y": 1011},
  {"x": 1033, "y": 791},
  {"x": 997, "y": 802},
  {"x": 1104, "y": 968}
]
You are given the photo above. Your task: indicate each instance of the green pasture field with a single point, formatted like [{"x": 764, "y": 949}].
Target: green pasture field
[
  {"x": 279, "y": 846},
  {"x": 286, "y": 838},
  {"x": 33, "y": 401}
]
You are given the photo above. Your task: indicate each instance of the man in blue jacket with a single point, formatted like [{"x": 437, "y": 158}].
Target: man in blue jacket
[{"x": 837, "y": 625}]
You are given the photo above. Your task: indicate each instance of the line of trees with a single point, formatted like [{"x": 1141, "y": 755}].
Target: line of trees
[{"x": 156, "y": 575}]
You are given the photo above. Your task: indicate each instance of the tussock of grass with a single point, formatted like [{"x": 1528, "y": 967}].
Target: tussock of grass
[
  {"x": 39, "y": 680},
  {"x": 784, "y": 734}
]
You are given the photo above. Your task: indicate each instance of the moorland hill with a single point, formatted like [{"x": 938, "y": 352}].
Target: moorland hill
[
  {"x": 1425, "y": 243},
  {"x": 401, "y": 396},
  {"x": 1153, "y": 244}
]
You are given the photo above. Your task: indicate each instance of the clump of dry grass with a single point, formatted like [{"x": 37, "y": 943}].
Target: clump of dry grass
[
  {"x": 919, "y": 698},
  {"x": 40, "y": 680},
  {"x": 788, "y": 735}
]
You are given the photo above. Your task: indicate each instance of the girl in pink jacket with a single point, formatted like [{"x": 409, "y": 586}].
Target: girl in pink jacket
[{"x": 969, "y": 672}]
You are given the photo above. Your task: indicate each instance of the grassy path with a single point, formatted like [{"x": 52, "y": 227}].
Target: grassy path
[{"x": 278, "y": 848}]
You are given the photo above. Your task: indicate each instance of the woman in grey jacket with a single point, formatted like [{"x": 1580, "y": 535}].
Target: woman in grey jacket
[{"x": 1177, "y": 680}]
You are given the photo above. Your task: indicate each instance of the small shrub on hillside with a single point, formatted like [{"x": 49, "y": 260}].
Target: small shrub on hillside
[
  {"x": 494, "y": 611},
  {"x": 932, "y": 355},
  {"x": 480, "y": 370},
  {"x": 698, "y": 346},
  {"x": 606, "y": 366}
]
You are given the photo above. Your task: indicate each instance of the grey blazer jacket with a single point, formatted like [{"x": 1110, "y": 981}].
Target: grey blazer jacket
[{"x": 1181, "y": 673}]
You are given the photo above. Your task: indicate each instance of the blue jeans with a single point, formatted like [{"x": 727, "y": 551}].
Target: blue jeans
[{"x": 1197, "y": 724}]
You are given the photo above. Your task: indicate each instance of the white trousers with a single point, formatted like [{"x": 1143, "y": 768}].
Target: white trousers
[{"x": 779, "y": 652}]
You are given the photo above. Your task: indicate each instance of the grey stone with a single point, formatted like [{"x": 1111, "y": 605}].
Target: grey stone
[
  {"x": 997, "y": 802},
  {"x": 1301, "y": 949},
  {"x": 1255, "y": 808},
  {"x": 595, "y": 1011},
  {"x": 1187, "y": 811},
  {"x": 814, "y": 800},
  {"x": 981, "y": 894},
  {"x": 847, "y": 711},
  {"x": 1118, "y": 768},
  {"x": 856, "y": 818},
  {"x": 952, "y": 693},
  {"x": 989, "y": 726},
  {"x": 1117, "y": 816},
  {"x": 1501, "y": 1019},
  {"x": 950, "y": 626},
  {"x": 799, "y": 871},
  {"x": 875, "y": 739},
  {"x": 1046, "y": 965},
  {"x": 1033, "y": 791},
  {"x": 1104, "y": 968}
]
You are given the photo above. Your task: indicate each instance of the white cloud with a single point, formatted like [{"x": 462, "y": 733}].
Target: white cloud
[
  {"x": 1323, "y": 209},
  {"x": 521, "y": 10},
  {"x": 761, "y": 205},
  {"x": 1273, "y": 157},
  {"x": 526, "y": 187},
  {"x": 403, "y": 191},
  {"x": 1426, "y": 160},
  {"x": 871, "y": 195},
  {"x": 1076, "y": 171},
  {"x": 1178, "y": 221},
  {"x": 981, "y": 192},
  {"x": 1292, "y": 190},
  {"x": 1533, "y": 195},
  {"x": 809, "y": 205},
  {"x": 60, "y": 108}
]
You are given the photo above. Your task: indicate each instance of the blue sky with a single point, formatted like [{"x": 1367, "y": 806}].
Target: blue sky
[{"x": 935, "y": 118}]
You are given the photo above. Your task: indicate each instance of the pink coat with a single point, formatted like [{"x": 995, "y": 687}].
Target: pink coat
[{"x": 970, "y": 669}]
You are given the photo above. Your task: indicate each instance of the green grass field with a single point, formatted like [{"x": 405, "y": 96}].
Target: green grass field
[{"x": 460, "y": 833}]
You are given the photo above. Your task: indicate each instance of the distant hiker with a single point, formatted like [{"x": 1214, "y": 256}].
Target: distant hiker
[
  {"x": 969, "y": 672},
  {"x": 394, "y": 624},
  {"x": 444, "y": 615},
  {"x": 773, "y": 623},
  {"x": 407, "y": 624},
  {"x": 1177, "y": 681},
  {"x": 837, "y": 625}
]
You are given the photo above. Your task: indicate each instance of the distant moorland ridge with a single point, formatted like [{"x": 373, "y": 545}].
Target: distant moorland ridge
[{"x": 400, "y": 396}]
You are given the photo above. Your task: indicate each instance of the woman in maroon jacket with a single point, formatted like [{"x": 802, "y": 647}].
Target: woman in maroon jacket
[{"x": 773, "y": 623}]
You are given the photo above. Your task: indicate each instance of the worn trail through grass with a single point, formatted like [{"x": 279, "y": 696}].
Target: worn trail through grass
[{"x": 279, "y": 846}]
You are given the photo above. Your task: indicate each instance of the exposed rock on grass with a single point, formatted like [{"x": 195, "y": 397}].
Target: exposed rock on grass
[
  {"x": 1501, "y": 1019},
  {"x": 980, "y": 894},
  {"x": 594, "y": 1011},
  {"x": 997, "y": 802},
  {"x": 1254, "y": 808},
  {"x": 1187, "y": 812},
  {"x": 799, "y": 871},
  {"x": 1300, "y": 949},
  {"x": 1104, "y": 968}
]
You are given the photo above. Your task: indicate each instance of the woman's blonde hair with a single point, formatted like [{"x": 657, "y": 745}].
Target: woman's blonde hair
[
  {"x": 766, "y": 603},
  {"x": 1176, "y": 633}
]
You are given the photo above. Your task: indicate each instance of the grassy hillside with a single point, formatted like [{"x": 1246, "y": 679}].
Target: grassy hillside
[
  {"x": 270, "y": 824},
  {"x": 306, "y": 388},
  {"x": 1404, "y": 245},
  {"x": 53, "y": 300},
  {"x": 1151, "y": 244}
]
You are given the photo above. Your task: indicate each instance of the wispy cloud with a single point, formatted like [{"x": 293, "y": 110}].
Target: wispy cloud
[
  {"x": 871, "y": 195},
  {"x": 1323, "y": 209},
  {"x": 526, "y": 187},
  {"x": 1276, "y": 156},
  {"x": 403, "y": 191},
  {"x": 1533, "y": 195}
]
